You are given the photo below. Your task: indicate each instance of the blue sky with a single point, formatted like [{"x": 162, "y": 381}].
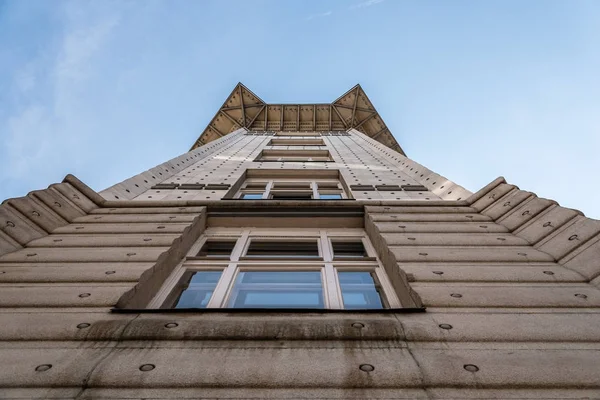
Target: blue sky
[{"x": 471, "y": 89}]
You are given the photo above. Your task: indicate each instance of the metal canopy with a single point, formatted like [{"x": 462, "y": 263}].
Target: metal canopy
[{"x": 244, "y": 109}]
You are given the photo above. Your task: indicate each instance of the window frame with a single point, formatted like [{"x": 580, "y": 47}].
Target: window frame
[
  {"x": 329, "y": 267},
  {"x": 330, "y": 186}
]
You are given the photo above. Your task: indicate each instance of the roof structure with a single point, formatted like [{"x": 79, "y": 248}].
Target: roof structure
[{"x": 244, "y": 109}]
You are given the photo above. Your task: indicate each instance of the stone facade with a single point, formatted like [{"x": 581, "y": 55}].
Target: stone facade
[{"x": 493, "y": 294}]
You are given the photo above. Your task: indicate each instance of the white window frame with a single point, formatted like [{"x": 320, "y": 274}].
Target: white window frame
[
  {"x": 332, "y": 294},
  {"x": 271, "y": 187}
]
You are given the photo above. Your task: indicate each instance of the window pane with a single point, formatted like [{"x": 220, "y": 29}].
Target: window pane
[
  {"x": 360, "y": 290},
  {"x": 277, "y": 289},
  {"x": 251, "y": 196},
  {"x": 330, "y": 196},
  {"x": 198, "y": 290},
  {"x": 217, "y": 248},
  {"x": 264, "y": 248},
  {"x": 342, "y": 249},
  {"x": 291, "y": 196}
]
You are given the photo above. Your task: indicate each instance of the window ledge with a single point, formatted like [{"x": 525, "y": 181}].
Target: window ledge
[{"x": 264, "y": 310}]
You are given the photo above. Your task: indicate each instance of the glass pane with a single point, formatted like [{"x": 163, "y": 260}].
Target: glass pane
[
  {"x": 198, "y": 290},
  {"x": 300, "y": 249},
  {"x": 252, "y": 196},
  {"x": 277, "y": 289},
  {"x": 360, "y": 290},
  {"x": 343, "y": 249},
  {"x": 330, "y": 196}
]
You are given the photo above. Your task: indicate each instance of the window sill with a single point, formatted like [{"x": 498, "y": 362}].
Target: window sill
[{"x": 264, "y": 310}]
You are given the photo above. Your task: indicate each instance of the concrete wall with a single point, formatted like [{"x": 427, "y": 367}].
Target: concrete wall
[{"x": 509, "y": 282}]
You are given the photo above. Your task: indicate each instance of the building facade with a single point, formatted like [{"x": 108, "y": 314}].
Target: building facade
[{"x": 296, "y": 252}]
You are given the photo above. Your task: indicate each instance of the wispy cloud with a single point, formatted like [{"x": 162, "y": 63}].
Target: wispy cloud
[
  {"x": 367, "y": 3},
  {"x": 321, "y": 15}
]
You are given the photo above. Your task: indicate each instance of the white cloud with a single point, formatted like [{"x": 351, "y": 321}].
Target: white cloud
[
  {"x": 367, "y": 3},
  {"x": 321, "y": 15},
  {"x": 45, "y": 127}
]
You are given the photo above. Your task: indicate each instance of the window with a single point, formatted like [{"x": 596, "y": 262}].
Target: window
[
  {"x": 277, "y": 289},
  {"x": 296, "y": 142},
  {"x": 217, "y": 248},
  {"x": 347, "y": 249},
  {"x": 251, "y": 196},
  {"x": 330, "y": 196},
  {"x": 292, "y": 189},
  {"x": 294, "y": 155},
  {"x": 313, "y": 269},
  {"x": 197, "y": 289},
  {"x": 360, "y": 290},
  {"x": 287, "y": 249}
]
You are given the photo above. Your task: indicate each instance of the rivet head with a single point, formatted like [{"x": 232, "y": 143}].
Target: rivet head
[
  {"x": 546, "y": 224},
  {"x": 438, "y": 272},
  {"x": 57, "y": 204},
  {"x": 581, "y": 296},
  {"x": 43, "y": 367},
  {"x": 471, "y": 367},
  {"x": 147, "y": 367},
  {"x": 366, "y": 367},
  {"x": 573, "y": 237},
  {"x": 109, "y": 272},
  {"x": 358, "y": 325},
  {"x": 456, "y": 295},
  {"x": 171, "y": 325},
  {"x": 445, "y": 326},
  {"x": 85, "y": 295},
  {"x": 549, "y": 272},
  {"x": 83, "y": 325},
  {"x": 10, "y": 224},
  {"x": 525, "y": 213},
  {"x": 35, "y": 213}
]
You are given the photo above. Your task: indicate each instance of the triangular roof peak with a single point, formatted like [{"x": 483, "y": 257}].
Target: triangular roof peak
[{"x": 244, "y": 109}]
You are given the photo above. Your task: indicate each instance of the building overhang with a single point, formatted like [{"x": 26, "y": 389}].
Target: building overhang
[{"x": 244, "y": 109}]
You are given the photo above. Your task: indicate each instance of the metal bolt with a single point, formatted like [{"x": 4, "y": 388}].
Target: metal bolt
[
  {"x": 445, "y": 326},
  {"x": 358, "y": 325},
  {"x": 581, "y": 296},
  {"x": 366, "y": 367},
  {"x": 171, "y": 325},
  {"x": 83, "y": 325},
  {"x": 147, "y": 367},
  {"x": 85, "y": 295},
  {"x": 457, "y": 295},
  {"x": 471, "y": 367},
  {"x": 43, "y": 367}
]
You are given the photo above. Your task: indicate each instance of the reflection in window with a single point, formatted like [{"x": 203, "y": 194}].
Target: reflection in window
[
  {"x": 330, "y": 196},
  {"x": 360, "y": 290},
  {"x": 198, "y": 290},
  {"x": 252, "y": 196},
  {"x": 271, "y": 248},
  {"x": 277, "y": 289}
]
